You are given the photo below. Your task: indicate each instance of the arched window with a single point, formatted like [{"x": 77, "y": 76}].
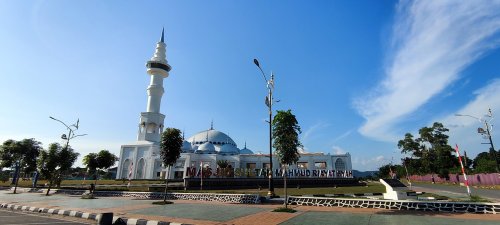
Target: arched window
[
  {"x": 141, "y": 167},
  {"x": 151, "y": 128},
  {"x": 339, "y": 164},
  {"x": 125, "y": 166}
]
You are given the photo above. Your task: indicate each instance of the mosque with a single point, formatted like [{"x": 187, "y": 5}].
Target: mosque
[{"x": 206, "y": 149}]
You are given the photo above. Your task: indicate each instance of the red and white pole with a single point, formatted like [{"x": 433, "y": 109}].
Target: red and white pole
[{"x": 463, "y": 170}]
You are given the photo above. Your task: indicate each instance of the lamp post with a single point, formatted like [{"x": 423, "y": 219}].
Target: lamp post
[
  {"x": 486, "y": 133},
  {"x": 269, "y": 103},
  {"x": 71, "y": 133}
]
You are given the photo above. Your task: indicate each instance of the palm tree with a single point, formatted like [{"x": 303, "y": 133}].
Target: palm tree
[
  {"x": 286, "y": 132},
  {"x": 170, "y": 150}
]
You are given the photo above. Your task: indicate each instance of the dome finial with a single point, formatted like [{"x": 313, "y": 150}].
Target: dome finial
[
  {"x": 245, "y": 144},
  {"x": 212, "y": 125},
  {"x": 162, "y": 35}
]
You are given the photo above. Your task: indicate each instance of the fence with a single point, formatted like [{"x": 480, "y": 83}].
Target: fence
[{"x": 474, "y": 179}]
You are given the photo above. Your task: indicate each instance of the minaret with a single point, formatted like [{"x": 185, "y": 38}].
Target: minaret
[{"x": 151, "y": 121}]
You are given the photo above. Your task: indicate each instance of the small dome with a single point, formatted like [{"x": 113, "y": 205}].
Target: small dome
[
  {"x": 245, "y": 150},
  {"x": 206, "y": 148},
  {"x": 228, "y": 149},
  {"x": 186, "y": 147},
  {"x": 213, "y": 136}
]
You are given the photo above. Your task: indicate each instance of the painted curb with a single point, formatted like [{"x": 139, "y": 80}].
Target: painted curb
[{"x": 91, "y": 216}]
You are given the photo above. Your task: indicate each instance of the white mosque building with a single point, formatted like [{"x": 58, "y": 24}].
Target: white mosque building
[{"x": 141, "y": 159}]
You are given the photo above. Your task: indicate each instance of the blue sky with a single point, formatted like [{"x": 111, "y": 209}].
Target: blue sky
[{"x": 357, "y": 74}]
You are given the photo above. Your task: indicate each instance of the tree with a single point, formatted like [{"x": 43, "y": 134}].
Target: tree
[
  {"x": 56, "y": 161},
  {"x": 20, "y": 154},
  {"x": 483, "y": 163},
  {"x": 99, "y": 162},
  {"x": 90, "y": 161},
  {"x": 430, "y": 152},
  {"x": 223, "y": 165},
  {"x": 170, "y": 151},
  {"x": 286, "y": 132},
  {"x": 385, "y": 171}
]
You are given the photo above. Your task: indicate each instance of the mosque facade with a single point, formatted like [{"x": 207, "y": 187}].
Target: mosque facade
[{"x": 207, "y": 149}]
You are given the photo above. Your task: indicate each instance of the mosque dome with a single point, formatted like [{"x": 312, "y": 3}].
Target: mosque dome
[
  {"x": 245, "y": 150},
  {"x": 186, "y": 147},
  {"x": 228, "y": 149},
  {"x": 212, "y": 136},
  {"x": 206, "y": 148}
]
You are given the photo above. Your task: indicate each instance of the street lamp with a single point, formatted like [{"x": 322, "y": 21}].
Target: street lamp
[
  {"x": 486, "y": 133},
  {"x": 269, "y": 103},
  {"x": 71, "y": 133}
]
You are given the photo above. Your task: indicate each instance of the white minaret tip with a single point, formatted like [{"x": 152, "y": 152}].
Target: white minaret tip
[{"x": 158, "y": 63}]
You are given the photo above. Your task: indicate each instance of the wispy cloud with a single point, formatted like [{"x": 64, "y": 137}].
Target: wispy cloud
[
  {"x": 463, "y": 129},
  {"x": 342, "y": 136},
  {"x": 432, "y": 42},
  {"x": 338, "y": 150},
  {"x": 311, "y": 130}
]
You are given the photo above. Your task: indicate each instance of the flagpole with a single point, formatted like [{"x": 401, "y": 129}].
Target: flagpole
[
  {"x": 407, "y": 175},
  {"x": 131, "y": 167},
  {"x": 201, "y": 175},
  {"x": 463, "y": 171}
]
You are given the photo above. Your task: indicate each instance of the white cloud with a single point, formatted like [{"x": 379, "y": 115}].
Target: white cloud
[
  {"x": 342, "y": 136},
  {"x": 338, "y": 150},
  {"x": 463, "y": 129},
  {"x": 311, "y": 130},
  {"x": 432, "y": 42}
]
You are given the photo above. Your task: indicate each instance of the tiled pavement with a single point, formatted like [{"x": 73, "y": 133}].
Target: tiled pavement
[{"x": 210, "y": 213}]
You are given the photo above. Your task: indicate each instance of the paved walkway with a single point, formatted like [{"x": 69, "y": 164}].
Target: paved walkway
[
  {"x": 22, "y": 218},
  {"x": 457, "y": 191},
  {"x": 211, "y": 213}
]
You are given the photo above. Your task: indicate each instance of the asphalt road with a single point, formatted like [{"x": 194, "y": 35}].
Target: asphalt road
[
  {"x": 460, "y": 190},
  {"x": 8, "y": 217}
]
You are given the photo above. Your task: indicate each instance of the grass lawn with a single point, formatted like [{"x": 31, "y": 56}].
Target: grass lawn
[{"x": 373, "y": 187}]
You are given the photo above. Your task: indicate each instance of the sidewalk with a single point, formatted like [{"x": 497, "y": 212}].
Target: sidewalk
[
  {"x": 208, "y": 213},
  {"x": 456, "y": 191}
]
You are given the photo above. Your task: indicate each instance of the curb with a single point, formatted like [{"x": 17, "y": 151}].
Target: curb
[{"x": 91, "y": 216}]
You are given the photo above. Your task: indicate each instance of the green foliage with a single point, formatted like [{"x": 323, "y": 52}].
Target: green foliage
[
  {"x": 170, "y": 146},
  {"x": 90, "y": 161},
  {"x": 96, "y": 162},
  {"x": 477, "y": 198},
  {"x": 48, "y": 161},
  {"x": 55, "y": 162},
  {"x": 286, "y": 132},
  {"x": 484, "y": 163},
  {"x": 430, "y": 152},
  {"x": 24, "y": 152},
  {"x": 170, "y": 150},
  {"x": 384, "y": 171},
  {"x": 4, "y": 176}
]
